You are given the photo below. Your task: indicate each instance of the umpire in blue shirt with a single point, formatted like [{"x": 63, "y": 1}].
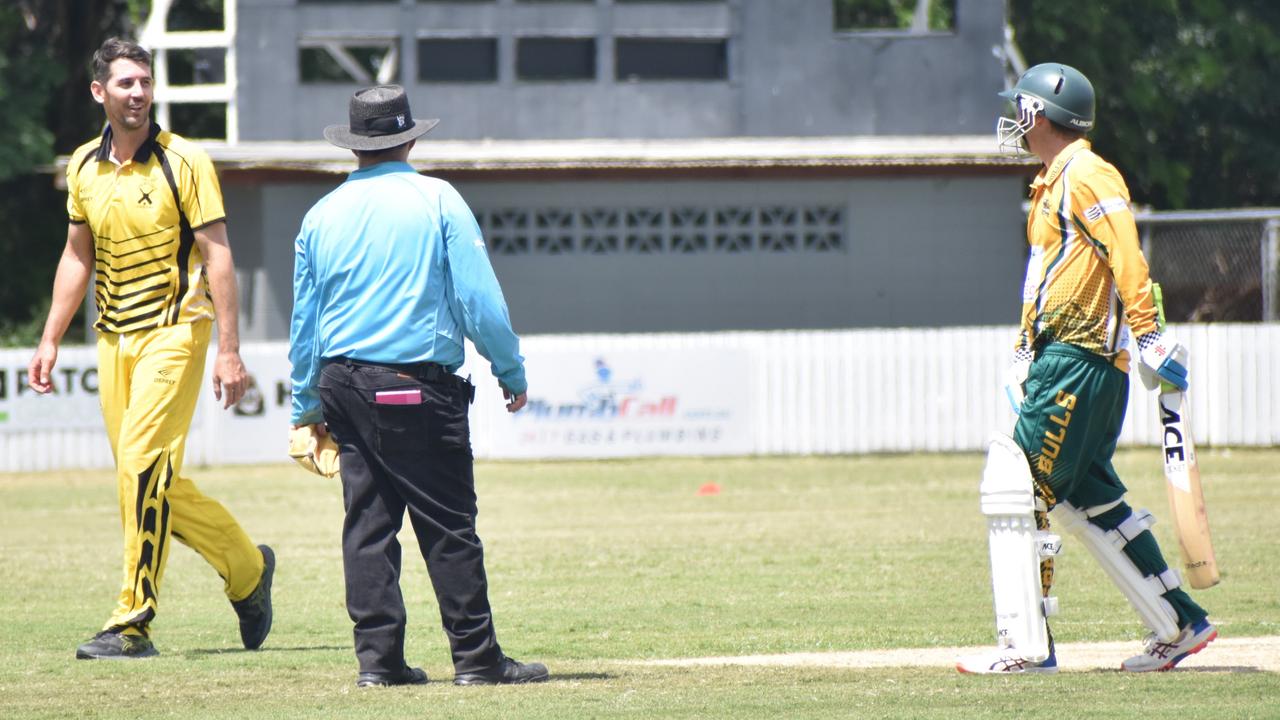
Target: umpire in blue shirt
[{"x": 390, "y": 272}]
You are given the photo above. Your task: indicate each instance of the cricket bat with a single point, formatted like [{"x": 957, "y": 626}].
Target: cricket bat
[{"x": 1182, "y": 476}]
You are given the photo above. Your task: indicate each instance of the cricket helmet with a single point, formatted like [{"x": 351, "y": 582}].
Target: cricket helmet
[{"x": 1062, "y": 93}]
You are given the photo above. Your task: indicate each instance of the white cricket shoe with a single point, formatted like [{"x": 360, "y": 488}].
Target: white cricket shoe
[
  {"x": 999, "y": 662},
  {"x": 1157, "y": 656}
]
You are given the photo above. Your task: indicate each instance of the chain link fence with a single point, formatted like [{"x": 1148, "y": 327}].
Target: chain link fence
[{"x": 1215, "y": 265}]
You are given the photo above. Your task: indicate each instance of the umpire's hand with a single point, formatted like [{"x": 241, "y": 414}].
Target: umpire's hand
[
  {"x": 230, "y": 379},
  {"x": 514, "y": 401}
]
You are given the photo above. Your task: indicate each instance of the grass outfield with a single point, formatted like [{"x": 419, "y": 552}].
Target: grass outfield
[{"x": 594, "y": 566}]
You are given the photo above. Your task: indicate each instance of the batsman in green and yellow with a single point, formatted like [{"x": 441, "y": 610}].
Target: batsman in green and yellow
[{"x": 1087, "y": 314}]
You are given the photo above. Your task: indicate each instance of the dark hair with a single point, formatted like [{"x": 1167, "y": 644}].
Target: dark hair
[
  {"x": 114, "y": 49},
  {"x": 371, "y": 154}
]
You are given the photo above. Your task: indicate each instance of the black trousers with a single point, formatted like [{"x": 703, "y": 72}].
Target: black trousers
[{"x": 405, "y": 444}]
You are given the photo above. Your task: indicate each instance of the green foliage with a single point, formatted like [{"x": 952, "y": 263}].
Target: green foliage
[
  {"x": 28, "y": 75},
  {"x": 1187, "y": 106},
  {"x": 26, "y": 333},
  {"x": 33, "y": 227},
  {"x": 891, "y": 14},
  {"x": 597, "y": 568},
  {"x": 46, "y": 110}
]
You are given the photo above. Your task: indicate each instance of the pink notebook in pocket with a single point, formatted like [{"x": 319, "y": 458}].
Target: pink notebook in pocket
[{"x": 398, "y": 397}]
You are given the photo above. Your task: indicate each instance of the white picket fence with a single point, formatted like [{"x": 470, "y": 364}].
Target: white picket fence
[{"x": 822, "y": 392}]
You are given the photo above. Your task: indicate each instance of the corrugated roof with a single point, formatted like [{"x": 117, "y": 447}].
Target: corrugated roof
[{"x": 705, "y": 153}]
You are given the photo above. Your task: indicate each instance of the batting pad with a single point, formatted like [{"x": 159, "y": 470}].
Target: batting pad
[
  {"x": 315, "y": 453},
  {"x": 1017, "y": 546},
  {"x": 1144, "y": 592}
]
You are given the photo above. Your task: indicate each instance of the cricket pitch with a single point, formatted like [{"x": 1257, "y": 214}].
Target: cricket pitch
[{"x": 1248, "y": 654}]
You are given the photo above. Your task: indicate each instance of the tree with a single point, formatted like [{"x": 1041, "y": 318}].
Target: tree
[
  {"x": 28, "y": 77},
  {"x": 1187, "y": 107},
  {"x": 46, "y": 110},
  {"x": 893, "y": 14}
]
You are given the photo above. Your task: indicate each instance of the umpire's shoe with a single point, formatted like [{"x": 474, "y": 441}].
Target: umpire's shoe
[
  {"x": 507, "y": 672},
  {"x": 255, "y": 610},
  {"x": 115, "y": 645},
  {"x": 407, "y": 676}
]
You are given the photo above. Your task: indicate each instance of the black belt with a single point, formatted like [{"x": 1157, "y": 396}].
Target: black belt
[{"x": 424, "y": 371}]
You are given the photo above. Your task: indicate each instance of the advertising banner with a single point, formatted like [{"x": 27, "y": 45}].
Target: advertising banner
[
  {"x": 71, "y": 405},
  {"x": 624, "y": 403},
  {"x": 256, "y": 429}
]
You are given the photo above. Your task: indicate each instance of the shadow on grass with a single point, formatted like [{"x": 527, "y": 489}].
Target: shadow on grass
[
  {"x": 1220, "y": 669},
  {"x": 236, "y": 651},
  {"x": 1236, "y": 669},
  {"x": 566, "y": 677}
]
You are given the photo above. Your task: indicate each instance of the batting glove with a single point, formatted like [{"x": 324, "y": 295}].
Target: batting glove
[
  {"x": 1015, "y": 378},
  {"x": 1162, "y": 358}
]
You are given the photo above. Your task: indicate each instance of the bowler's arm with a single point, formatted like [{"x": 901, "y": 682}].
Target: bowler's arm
[
  {"x": 228, "y": 369},
  {"x": 75, "y": 268}
]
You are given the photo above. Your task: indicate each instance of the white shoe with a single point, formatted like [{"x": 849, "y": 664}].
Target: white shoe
[
  {"x": 1157, "y": 656},
  {"x": 999, "y": 662}
]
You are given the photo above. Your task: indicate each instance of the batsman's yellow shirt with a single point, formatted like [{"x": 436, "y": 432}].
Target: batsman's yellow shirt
[
  {"x": 1086, "y": 276},
  {"x": 149, "y": 271}
]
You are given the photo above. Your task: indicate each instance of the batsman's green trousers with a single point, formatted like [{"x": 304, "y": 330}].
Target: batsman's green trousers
[
  {"x": 1068, "y": 428},
  {"x": 1070, "y": 422}
]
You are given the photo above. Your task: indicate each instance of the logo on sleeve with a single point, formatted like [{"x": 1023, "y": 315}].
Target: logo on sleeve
[{"x": 1105, "y": 207}]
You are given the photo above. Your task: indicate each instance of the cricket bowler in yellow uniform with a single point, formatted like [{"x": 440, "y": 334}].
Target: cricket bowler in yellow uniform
[
  {"x": 147, "y": 225},
  {"x": 1086, "y": 298}
]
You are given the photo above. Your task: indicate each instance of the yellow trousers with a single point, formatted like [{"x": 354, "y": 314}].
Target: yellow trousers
[{"x": 149, "y": 381}]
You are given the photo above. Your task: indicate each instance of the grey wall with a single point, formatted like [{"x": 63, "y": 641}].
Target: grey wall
[
  {"x": 790, "y": 73},
  {"x": 801, "y": 78},
  {"x": 915, "y": 252}
]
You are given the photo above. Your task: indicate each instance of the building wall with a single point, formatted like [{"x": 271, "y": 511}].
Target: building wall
[
  {"x": 696, "y": 255},
  {"x": 788, "y": 71},
  {"x": 663, "y": 255}
]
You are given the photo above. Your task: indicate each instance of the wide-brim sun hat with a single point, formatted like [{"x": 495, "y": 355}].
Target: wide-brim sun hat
[{"x": 379, "y": 119}]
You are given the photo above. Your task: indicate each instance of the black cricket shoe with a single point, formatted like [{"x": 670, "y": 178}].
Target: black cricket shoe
[
  {"x": 407, "y": 676},
  {"x": 114, "y": 645},
  {"x": 255, "y": 610},
  {"x": 506, "y": 672}
]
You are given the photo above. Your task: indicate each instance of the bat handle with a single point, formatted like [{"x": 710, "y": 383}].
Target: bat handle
[{"x": 1157, "y": 297}]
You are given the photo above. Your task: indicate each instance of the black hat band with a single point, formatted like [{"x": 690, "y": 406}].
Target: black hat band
[{"x": 385, "y": 125}]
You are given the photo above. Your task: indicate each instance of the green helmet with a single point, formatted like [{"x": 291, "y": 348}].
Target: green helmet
[{"x": 1061, "y": 92}]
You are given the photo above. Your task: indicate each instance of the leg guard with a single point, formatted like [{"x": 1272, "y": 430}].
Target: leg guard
[
  {"x": 1107, "y": 547},
  {"x": 1008, "y": 501}
]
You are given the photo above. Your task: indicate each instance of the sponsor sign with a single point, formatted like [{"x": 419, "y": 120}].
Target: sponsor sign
[
  {"x": 583, "y": 403},
  {"x": 71, "y": 405},
  {"x": 256, "y": 429},
  {"x": 630, "y": 403}
]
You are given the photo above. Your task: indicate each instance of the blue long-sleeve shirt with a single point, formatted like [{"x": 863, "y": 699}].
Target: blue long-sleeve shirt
[{"x": 391, "y": 267}]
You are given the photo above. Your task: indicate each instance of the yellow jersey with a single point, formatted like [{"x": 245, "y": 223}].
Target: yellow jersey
[
  {"x": 1086, "y": 276},
  {"x": 143, "y": 213}
]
